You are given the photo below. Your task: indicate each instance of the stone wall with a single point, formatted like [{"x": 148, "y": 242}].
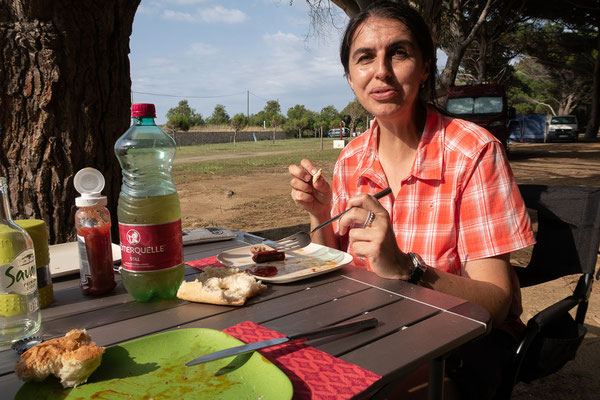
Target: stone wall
[{"x": 194, "y": 138}]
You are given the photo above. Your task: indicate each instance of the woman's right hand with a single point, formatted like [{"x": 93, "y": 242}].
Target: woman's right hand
[{"x": 314, "y": 197}]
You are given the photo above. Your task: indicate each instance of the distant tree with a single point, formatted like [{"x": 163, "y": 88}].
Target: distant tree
[
  {"x": 578, "y": 17},
  {"x": 566, "y": 61},
  {"x": 178, "y": 122},
  {"x": 238, "y": 122},
  {"x": 299, "y": 118},
  {"x": 219, "y": 116},
  {"x": 531, "y": 88},
  {"x": 183, "y": 117},
  {"x": 359, "y": 115},
  {"x": 265, "y": 116},
  {"x": 327, "y": 118},
  {"x": 276, "y": 123}
]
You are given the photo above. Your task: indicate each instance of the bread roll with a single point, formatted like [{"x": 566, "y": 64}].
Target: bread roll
[
  {"x": 221, "y": 285},
  {"x": 72, "y": 359}
]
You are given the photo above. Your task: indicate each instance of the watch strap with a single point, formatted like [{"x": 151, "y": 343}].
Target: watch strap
[{"x": 418, "y": 270}]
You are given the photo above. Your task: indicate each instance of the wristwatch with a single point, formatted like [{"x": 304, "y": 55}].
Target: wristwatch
[{"x": 419, "y": 268}]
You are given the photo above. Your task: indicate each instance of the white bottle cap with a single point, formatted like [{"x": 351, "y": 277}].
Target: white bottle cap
[{"x": 89, "y": 182}]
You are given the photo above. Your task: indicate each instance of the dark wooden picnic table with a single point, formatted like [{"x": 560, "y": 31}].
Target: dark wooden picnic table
[{"x": 416, "y": 326}]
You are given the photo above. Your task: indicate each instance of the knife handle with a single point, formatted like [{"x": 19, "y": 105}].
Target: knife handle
[{"x": 335, "y": 329}]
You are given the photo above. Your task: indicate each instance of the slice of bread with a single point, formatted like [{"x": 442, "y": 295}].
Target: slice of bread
[
  {"x": 72, "y": 359},
  {"x": 221, "y": 285}
]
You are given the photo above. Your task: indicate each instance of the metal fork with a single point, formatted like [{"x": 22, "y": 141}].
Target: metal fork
[
  {"x": 296, "y": 241},
  {"x": 292, "y": 242}
]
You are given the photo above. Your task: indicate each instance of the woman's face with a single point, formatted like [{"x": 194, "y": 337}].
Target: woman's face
[{"x": 386, "y": 68}]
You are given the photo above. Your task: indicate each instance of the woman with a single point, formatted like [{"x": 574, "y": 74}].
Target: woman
[{"x": 455, "y": 212}]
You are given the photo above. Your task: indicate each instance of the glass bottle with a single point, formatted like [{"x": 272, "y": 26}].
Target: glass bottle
[
  {"x": 36, "y": 228},
  {"x": 20, "y": 315}
]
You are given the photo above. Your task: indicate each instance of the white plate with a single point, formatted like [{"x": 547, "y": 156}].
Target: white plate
[
  {"x": 64, "y": 258},
  {"x": 307, "y": 262}
]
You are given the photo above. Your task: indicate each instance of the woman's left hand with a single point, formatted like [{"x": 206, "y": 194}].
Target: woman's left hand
[{"x": 376, "y": 241}]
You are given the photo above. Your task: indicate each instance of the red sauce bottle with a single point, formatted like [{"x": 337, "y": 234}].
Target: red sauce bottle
[{"x": 92, "y": 221}]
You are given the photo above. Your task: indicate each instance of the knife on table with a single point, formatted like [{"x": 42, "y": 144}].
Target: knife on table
[
  {"x": 377, "y": 195},
  {"x": 314, "y": 334}
]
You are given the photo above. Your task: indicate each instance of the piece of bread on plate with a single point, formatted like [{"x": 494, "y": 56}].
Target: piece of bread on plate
[
  {"x": 221, "y": 285},
  {"x": 71, "y": 358}
]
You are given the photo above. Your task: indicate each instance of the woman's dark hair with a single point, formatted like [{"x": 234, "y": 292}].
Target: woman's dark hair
[{"x": 417, "y": 27}]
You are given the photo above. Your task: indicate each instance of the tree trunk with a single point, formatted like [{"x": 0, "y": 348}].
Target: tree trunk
[
  {"x": 591, "y": 131},
  {"x": 64, "y": 100}
]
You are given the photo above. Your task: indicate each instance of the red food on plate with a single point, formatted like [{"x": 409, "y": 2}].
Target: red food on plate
[
  {"x": 264, "y": 271},
  {"x": 268, "y": 256}
]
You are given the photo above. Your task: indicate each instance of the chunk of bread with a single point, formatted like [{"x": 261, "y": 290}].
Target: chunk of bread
[
  {"x": 221, "y": 285},
  {"x": 317, "y": 175},
  {"x": 72, "y": 359}
]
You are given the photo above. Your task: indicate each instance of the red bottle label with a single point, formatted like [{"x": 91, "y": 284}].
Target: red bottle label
[{"x": 151, "y": 247}]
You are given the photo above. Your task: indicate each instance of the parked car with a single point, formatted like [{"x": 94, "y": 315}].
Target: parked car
[
  {"x": 335, "y": 133},
  {"x": 483, "y": 104},
  {"x": 562, "y": 127}
]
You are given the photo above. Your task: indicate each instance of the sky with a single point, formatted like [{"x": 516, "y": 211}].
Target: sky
[{"x": 238, "y": 53}]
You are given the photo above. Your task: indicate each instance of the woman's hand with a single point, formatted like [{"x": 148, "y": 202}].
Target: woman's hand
[
  {"x": 377, "y": 241},
  {"x": 310, "y": 190}
]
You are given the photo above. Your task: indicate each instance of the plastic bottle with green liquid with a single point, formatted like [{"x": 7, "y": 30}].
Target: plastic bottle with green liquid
[{"x": 148, "y": 212}]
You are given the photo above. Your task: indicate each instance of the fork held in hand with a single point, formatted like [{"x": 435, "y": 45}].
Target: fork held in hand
[
  {"x": 292, "y": 242},
  {"x": 377, "y": 195}
]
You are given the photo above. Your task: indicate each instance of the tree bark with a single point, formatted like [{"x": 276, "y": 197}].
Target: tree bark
[
  {"x": 64, "y": 100},
  {"x": 591, "y": 130}
]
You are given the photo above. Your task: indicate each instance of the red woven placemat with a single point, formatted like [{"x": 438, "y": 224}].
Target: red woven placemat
[
  {"x": 314, "y": 374},
  {"x": 205, "y": 262}
]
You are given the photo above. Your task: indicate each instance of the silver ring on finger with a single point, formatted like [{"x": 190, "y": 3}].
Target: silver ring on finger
[{"x": 369, "y": 221}]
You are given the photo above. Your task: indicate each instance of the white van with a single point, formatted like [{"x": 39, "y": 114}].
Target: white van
[{"x": 562, "y": 127}]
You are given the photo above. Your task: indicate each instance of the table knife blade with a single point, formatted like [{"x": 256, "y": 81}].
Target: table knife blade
[{"x": 314, "y": 334}]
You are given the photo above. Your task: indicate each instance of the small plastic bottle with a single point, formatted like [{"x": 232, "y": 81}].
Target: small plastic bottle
[
  {"x": 20, "y": 315},
  {"x": 92, "y": 221}
]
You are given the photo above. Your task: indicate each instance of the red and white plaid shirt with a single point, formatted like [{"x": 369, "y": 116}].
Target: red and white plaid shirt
[{"x": 459, "y": 201}]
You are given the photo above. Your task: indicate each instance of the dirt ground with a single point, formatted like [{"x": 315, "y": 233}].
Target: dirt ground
[{"x": 261, "y": 204}]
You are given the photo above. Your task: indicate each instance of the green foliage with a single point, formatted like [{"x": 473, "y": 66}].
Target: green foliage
[
  {"x": 183, "y": 117},
  {"x": 557, "y": 73},
  {"x": 219, "y": 116},
  {"x": 298, "y": 119},
  {"x": 238, "y": 122},
  {"x": 265, "y": 116},
  {"x": 327, "y": 118},
  {"x": 277, "y": 121},
  {"x": 359, "y": 115},
  {"x": 178, "y": 122}
]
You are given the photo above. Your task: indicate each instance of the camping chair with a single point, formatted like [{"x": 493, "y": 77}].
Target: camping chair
[{"x": 568, "y": 238}]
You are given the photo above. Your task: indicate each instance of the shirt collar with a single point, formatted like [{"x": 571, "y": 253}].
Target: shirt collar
[{"x": 429, "y": 160}]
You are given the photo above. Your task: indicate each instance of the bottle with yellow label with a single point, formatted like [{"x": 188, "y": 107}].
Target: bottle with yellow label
[
  {"x": 20, "y": 315},
  {"x": 36, "y": 228}
]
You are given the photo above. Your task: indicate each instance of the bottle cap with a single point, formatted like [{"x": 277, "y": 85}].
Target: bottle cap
[
  {"x": 89, "y": 182},
  {"x": 143, "y": 110},
  {"x": 36, "y": 228}
]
